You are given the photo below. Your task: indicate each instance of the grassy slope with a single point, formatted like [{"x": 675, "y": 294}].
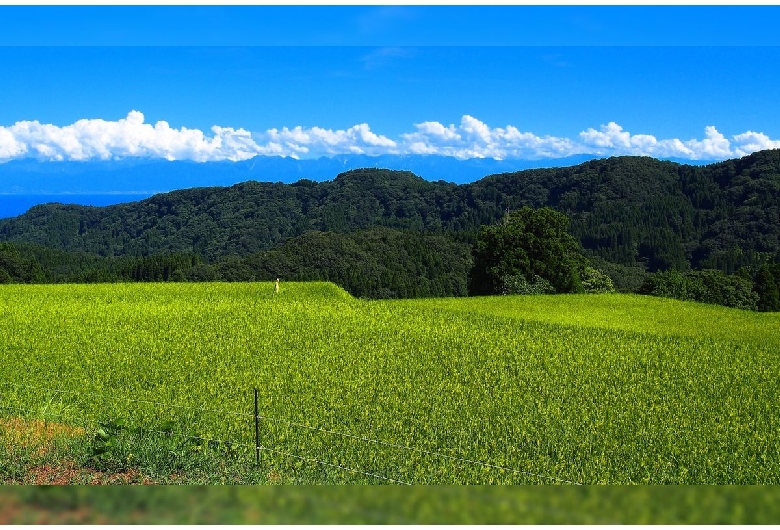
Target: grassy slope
[
  {"x": 625, "y": 312},
  {"x": 592, "y": 389}
]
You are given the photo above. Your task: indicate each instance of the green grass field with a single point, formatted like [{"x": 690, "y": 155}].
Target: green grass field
[{"x": 591, "y": 389}]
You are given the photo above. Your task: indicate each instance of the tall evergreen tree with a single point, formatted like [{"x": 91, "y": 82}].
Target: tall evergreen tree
[{"x": 766, "y": 287}]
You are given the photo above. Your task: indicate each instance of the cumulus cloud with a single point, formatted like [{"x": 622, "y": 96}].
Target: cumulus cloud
[
  {"x": 90, "y": 139},
  {"x": 10, "y": 147},
  {"x": 298, "y": 141},
  {"x": 612, "y": 140},
  {"x": 475, "y": 139},
  {"x": 127, "y": 137},
  {"x": 750, "y": 142}
]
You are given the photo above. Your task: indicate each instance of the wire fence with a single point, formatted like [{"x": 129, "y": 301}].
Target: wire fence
[{"x": 90, "y": 423}]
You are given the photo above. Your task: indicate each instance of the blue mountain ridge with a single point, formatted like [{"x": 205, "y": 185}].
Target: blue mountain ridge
[{"x": 27, "y": 182}]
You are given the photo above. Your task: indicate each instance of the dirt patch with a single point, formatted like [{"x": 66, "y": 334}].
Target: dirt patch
[
  {"x": 68, "y": 473},
  {"x": 34, "y": 436},
  {"x": 51, "y": 475},
  {"x": 132, "y": 476}
]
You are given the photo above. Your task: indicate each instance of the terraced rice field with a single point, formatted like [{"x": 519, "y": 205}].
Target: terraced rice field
[{"x": 590, "y": 389}]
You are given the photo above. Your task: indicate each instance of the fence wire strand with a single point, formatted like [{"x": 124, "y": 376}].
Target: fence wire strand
[
  {"x": 284, "y": 453},
  {"x": 128, "y": 399},
  {"x": 304, "y": 426},
  {"x": 225, "y": 443},
  {"x": 425, "y": 451}
]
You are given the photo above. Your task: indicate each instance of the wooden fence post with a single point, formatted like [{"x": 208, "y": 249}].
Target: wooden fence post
[{"x": 257, "y": 433}]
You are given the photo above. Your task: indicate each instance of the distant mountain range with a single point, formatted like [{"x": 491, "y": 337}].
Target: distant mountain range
[
  {"x": 630, "y": 211},
  {"x": 148, "y": 176},
  {"x": 25, "y": 183}
]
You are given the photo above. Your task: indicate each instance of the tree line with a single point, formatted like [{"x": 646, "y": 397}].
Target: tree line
[
  {"x": 627, "y": 211},
  {"x": 374, "y": 263},
  {"x": 631, "y": 224},
  {"x": 530, "y": 251}
]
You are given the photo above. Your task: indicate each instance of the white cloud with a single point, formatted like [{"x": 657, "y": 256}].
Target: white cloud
[
  {"x": 714, "y": 146},
  {"x": 475, "y": 139},
  {"x": 612, "y": 140},
  {"x": 10, "y": 147},
  {"x": 609, "y": 137},
  {"x": 127, "y": 137},
  {"x": 89, "y": 139},
  {"x": 750, "y": 142},
  {"x": 316, "y": 141}
]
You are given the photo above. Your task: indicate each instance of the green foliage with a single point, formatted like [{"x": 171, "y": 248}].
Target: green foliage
[
  {"x": 626, "y": 210},
  {"x": 626, "y": 279},
  {"x": 689, "y": 394},
  {"x": 18, "y": 267},
  {"x": 527, "y": 244},
  {"x": 375, "y": 263},
  {"x": 595, "y": 281},
  {"x": 630, "y": 214},
  {"x": 517, "y": 284},
  {"x": 708, "y": 286},
  {"x": 766, "y": 288}
]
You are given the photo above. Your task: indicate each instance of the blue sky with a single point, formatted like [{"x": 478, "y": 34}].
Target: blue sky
[{"x": 213, "y": 83}]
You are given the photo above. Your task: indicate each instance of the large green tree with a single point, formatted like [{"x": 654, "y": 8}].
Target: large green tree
[
  {"x": 767, "y": 290},
  {"x": 528, "y": 247}
]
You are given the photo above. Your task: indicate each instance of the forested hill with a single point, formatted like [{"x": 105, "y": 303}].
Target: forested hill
[{"x": 626, "y": 210}]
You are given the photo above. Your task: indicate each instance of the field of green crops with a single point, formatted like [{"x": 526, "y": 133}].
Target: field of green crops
[{"x": 591, "y": 389}]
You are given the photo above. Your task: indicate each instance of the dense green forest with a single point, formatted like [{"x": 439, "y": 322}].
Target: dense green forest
[
  {"x": 373, "y": 263},
  {"x": 386, "y": 233}
]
